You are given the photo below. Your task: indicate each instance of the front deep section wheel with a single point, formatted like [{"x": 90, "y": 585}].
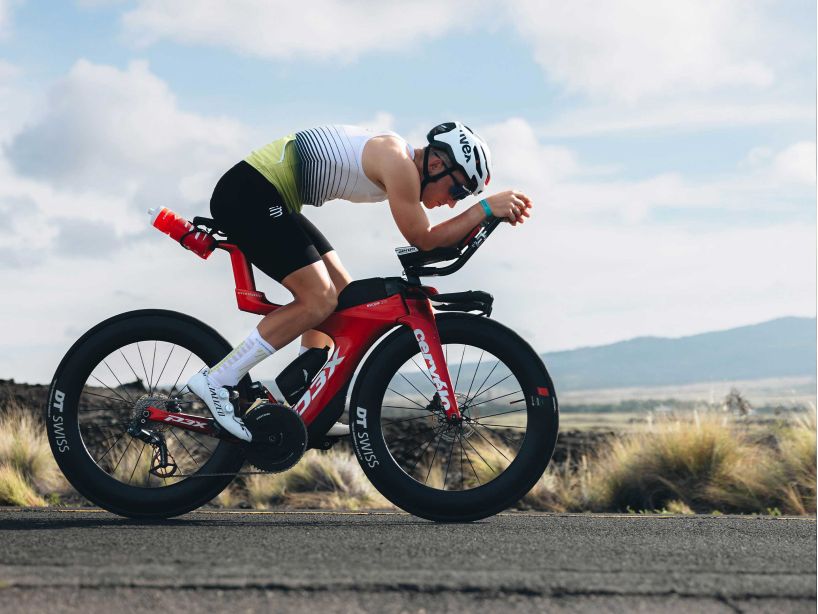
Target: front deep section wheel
[
  {"x": 455, "y": 472},
  {"x": 113, "y": 373}
]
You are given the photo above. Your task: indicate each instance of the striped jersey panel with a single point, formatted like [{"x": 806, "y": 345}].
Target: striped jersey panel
[{"x": 329, "y": 165}]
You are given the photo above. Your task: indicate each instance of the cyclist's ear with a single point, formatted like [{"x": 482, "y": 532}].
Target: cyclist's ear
[{"x": 436, "y": 165}]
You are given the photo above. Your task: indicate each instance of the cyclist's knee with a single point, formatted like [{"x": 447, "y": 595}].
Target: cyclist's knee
[{"x": 319, "y": 303}]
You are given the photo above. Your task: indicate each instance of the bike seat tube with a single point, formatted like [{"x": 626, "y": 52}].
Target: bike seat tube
[{"x": 421, "y": 320}]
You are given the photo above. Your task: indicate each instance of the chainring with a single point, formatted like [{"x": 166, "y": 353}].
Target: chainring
[{"x": 279, "y": 437}]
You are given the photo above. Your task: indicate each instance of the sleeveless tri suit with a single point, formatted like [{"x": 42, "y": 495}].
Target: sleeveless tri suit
[{"x": 258, "y": 201}]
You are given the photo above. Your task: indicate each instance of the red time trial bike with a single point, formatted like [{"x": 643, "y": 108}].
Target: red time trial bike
[{"x": 453, "y": 416}]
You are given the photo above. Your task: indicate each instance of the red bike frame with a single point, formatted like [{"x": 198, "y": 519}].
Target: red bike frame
[{"x": 353, "y": 330}]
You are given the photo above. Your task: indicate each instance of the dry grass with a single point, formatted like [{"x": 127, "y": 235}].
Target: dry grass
[
  {"x": 322, "y": 480},
  {"x": 702, "y": 462},
  {"x": 706, "y": 462},
  {"x": 15, "y": 490},
  {"x": 796, "y": 447},
  {"x": 27, "y": 469}
]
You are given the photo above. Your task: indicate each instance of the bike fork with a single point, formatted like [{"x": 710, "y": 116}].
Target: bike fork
[{"x": 421, "y": 320}]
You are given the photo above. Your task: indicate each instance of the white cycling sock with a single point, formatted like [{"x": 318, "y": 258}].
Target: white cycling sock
[
  {"x": 302, "y": 349},
  {"x": 238, "y": 363}
]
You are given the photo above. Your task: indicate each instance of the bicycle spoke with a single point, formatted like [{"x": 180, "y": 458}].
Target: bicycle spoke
[
  {"x": 130, "y": 441},
  {"x": 470, "y": 463},
  {"x": 136, "y": 464},
  {"x": 172, "y": 432},
  {"x": 117, "y": 381},
  {"x": 138, "y": 349},
  {"x": 128, "y": 362},
  {"x": 432, "y": 462},
  {"x": 422, "y": 452},
  {"x": 502, "y": 413},
  {"x": 199, "y": 441},
  {"x": 474, "y": 375},
  {"x": 483, "y": 383},
  {"x": 99, "y": 460},
  {"x": 153, "y": 364},
  {"x": 457, "y": 379},
  {"x": 407, "y": 398},
  {"x": 486, "y": 439},
  {"x": 102, "y": 396},
  {"x": 126, "y": 401},
  {"x": 402, "y": 407},
  {"x": 476, "y": 451},
  {"x": 172, "y": 347},
  {"x": 415, "y": 387},
  {"x": 422, "y": 371},
  {"x": 494, "y": 399},
  {"x": 448, "y": 464},
  {"x": 490, "y": 387},
  {"x": 500, "y": 435},
  {"x": 172, "y": 388}
]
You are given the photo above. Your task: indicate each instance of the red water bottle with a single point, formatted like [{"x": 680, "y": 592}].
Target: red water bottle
[{"x": 179, "y": 229}]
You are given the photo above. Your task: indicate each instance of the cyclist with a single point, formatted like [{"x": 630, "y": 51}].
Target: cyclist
[{"x": 258, "y": 203}]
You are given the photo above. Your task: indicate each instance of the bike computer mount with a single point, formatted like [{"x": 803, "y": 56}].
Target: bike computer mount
[{"x": 415, "y": 262}]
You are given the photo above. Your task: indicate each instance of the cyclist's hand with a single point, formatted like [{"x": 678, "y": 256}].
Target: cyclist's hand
[{"x": 512, "y": 205}]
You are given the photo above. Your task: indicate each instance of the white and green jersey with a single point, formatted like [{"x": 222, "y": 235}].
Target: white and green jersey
[{"x": 313, "y": 166}]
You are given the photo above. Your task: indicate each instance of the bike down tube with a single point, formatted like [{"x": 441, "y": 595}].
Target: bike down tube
[{"x": 421, "y": 320}]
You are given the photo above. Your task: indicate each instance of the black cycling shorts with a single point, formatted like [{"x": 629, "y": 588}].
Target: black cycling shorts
[{"x": 252, "y": 212}]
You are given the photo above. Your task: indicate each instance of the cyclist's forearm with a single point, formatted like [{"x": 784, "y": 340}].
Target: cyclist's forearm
[{"x": 452, "y": 231}]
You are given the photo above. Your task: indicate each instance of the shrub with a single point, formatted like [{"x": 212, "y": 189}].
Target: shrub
[
  {"x": 703, "y": 463},
  {"x": 24, "y": 449}
]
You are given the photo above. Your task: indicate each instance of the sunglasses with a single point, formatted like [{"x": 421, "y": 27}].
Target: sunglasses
[{"x": 457, "y": 191}]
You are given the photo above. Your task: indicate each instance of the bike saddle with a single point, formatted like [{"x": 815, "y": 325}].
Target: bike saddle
[{"x": 209, "y": 225}]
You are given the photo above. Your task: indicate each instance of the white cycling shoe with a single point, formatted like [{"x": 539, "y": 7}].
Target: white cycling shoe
[{"x": 217, "y": 399}]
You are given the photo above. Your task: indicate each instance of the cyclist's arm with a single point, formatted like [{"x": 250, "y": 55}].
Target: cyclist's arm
[{"x": 400, "y": 178}]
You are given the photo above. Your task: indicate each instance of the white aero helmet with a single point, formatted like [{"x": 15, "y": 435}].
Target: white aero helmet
[{"x": 466, "y": 149}]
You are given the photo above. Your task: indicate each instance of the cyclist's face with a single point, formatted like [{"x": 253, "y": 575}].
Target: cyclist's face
[{"x": 439, "y": 193}]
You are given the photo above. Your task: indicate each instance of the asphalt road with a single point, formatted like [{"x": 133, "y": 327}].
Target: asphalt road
[{"x": 54, "y": 561}]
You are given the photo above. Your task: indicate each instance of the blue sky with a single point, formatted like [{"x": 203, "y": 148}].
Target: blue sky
[{"x": 669, "y": 149}]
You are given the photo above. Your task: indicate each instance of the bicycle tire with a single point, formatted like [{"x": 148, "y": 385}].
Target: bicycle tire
[
  {"x": 395, "y": 483},
  {"x": 63, "y": 424}
]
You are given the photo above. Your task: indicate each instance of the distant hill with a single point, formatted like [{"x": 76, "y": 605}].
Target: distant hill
[{"x": 783, "y": 347}]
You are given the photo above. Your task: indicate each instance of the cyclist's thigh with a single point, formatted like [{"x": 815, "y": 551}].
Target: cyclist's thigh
[
  {"x": 340, "y": 276},
  {"x": 318, "y": 239},
  {"x": 254, "y": 213}
]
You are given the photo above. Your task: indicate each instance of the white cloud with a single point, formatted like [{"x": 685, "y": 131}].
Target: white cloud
[
  {"x": 630, "y": 49},
  {"x": 281, "y": 30},
  {"x": 122, "y": 132},
  {"x": 669, "y": 116},
  {"x": 797, "y": 163}
]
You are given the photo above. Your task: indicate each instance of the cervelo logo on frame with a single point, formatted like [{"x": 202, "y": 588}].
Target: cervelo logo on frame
[
  {"x": 441, "y": 386},
  {"x": 318, "y": 382}
]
